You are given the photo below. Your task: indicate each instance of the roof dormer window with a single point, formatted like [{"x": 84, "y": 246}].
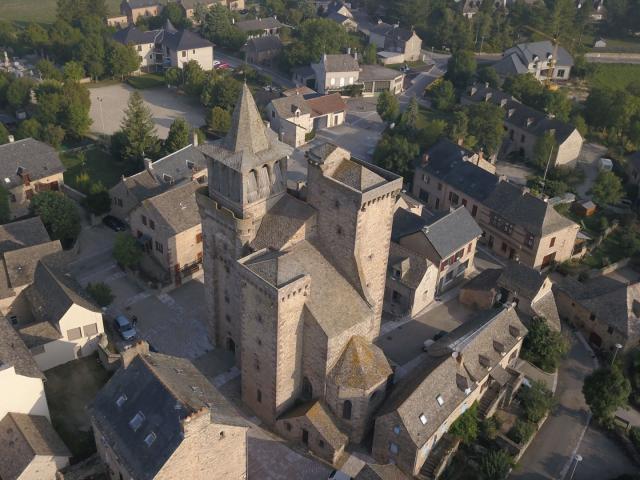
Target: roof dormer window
[
  {"x": 136, "y": 421},
  {"x": 440, "y": 400},
  {"x": 121, "y": 399},
  {"x": 423, "y": 418},
  {"x": 149, "y": 439},
  {"x": 167, "y": 178}
]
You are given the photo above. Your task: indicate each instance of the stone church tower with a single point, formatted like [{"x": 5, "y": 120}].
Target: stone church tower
[{"x": 247, "y": 176}]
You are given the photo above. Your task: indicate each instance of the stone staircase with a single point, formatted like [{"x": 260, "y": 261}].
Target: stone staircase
[
  {"x": 438, "y": 457},
  {"x": 486, "y": 402}
]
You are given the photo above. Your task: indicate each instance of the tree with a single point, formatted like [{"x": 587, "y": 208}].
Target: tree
[
  {"x": 388, "y": 106},
  {"x": 178, "y": 136},
  {"x": 98, "y": 201},
  {"x": 5, "y": 209},
  {"x": 173, "y": 76},
  {"x": 53, "y": 135},
  {"x": 48, "y": 70},
  {"x": 444, "y": 95},
  {"x": 410, "y": 119},
  {"x": 543, "y": 150},
  {"x": 495, "y": 465},
  {"x": 194, "y": 78},
  {"x": 607, "y": 189},
  {"x": 219, "y": 120},
  {"x": 605, "y": 390},
  {"x": 18, "y": 93},
  {"x": 127, "y": 251},
  {"x": 74, "y": 116},
  {"x": 370, "y": 54},
  {"x": 315, "y": 37},
  {"x": 176, "y": 15},
  {"x": 123, "y": 60},
  {"x": 490, "y": 76},
  {"x": 73, "y": 72},
  {"x": 544, "y": 347},
  {"x": 220, "y": 91},
  {"x": 459, "y": 127},
  {"x": 29, "y": 128},
  {"x": 521, "y": 432},
  {"x": 581, "y": 125},
  {"x": 36, "y": 37},
  {"x": 218, "y": 27},
  {"x": 101, "y": 293},
  {"x": 486, "y": 122},
  {"x": 461, "y": 68},
  {"x": 536, "y": 400},
  {"x": 59, "y": 215},
  {"x": 4, "y": 134},
  {"x": 466, "y": 426},
  {"x": 396, "y": 153},
  {"x": 138, "y": 129}
]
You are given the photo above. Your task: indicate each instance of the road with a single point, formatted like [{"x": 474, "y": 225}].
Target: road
[
  {"x": 278, "y": 78},
  {"x": 424, "y": 79}
]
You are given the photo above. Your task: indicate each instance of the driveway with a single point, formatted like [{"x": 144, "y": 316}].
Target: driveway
[
  {"x": 109, "y": 103},
  {"x": 588, "y": 161}
]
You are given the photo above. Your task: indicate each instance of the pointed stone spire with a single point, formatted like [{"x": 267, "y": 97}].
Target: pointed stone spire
[{"x": 247, "y": 132}]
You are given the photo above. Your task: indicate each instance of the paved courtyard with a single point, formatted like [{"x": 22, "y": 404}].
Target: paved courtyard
[{"x": 109, "y": 103}]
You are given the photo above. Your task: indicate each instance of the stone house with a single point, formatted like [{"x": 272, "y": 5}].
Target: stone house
[
  {"x": 30, "y": 448},
  {"x": 530, "y": 290},
  {"x": 190, "y": 6},
  {"x": 373, "y": 471},
  {"x": 606, "y": 310},
  {"x": 447, "y": 240},
  {"x": 297, "y": 116},
  {"x": 134, "y": 9},
  {"x": 525, "y": 126},
  {"x": 536, "y": 59},
  {"x": 183, "y": 166},
  {"x": 57, "y": 322},
  {"x": 292, "y": 277},
  {"x": 262, "y": 50},
  {"x": 393, "y": 38},
  {"x": 516, "y": 224},
  {"x": 168, "y": 227},
  {"x": 260, "y": 26},
  {"x": 118, "y": 21},
  {"x": 159, "y": 418},
  {"x": 473, "y": 363},
  {"x": 28, "y": 167},
  {"x": 341, "y": 13},
  {"x": 20, "y": 375},
  {"x": 167, "y": 47}
]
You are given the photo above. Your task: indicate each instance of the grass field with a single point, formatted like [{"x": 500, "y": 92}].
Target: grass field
[
  {"x": 614, "y": 75},
  {"x": 41, "y": 11},
  {"x": 149, "y": 80},
  {"x": 100, "y": 166}
]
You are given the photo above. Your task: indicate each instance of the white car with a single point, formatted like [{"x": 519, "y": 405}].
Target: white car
[{"x": 216, "y": 63}]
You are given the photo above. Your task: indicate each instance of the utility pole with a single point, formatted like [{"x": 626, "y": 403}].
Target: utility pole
[{"x": 546, "y": 170}]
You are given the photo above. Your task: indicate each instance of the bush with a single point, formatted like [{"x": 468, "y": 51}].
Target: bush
[
  {"x": 495, "y": 465},
  {"x": 634, "y": 435},
  {"x": 59, "y": 214},
  {"x": 127, "y": 251},
  {"x": 465, "y": 427},
  {"x": 521, "y": 432},
  {"x": 536, "y": 401},
  {"x": 98, "y": 201},
  {"x": 544, "y": 347},
  {"x": 101, "y": 293},
  {"x": 490, "y": 428}
]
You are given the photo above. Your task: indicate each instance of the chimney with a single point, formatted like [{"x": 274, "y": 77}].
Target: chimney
[
  {"x": 472, "y": 91},
  {"x": 11, "y": 138},
  {"x": 529, "y": 121},
  {"x": 425, "y": 159},
  {"x": 486, "y": 84},
  {"x": 129, "y": 354},
  {"x": 148, "y": 164},
  {"x": 487, "y": 96},
  {"x": 194, "y": 137},
  {"x": 348, "y": 50},
  {"x": 503, "y": 102},
  {"x": 511, "y": 112},
  {"x": 355, "y": 54}
]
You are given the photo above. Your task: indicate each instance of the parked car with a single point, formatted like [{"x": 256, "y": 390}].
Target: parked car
[
  {"x": 124, "y": 327},
  {"x": 114, "y": 223},
  {"x": 216, "y": 63},
  {"x": 222, "y": 66}
]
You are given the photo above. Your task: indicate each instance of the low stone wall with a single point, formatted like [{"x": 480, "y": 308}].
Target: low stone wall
[
  {"x": 109, "y": 360},
  {"x": 514, "y": 449}
]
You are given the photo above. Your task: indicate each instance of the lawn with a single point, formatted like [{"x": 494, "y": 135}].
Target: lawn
[
  {"x": 613, "y": 75},
  {"x": 40, "y": 11},
  {"x": 69, "y": 389},
  {"x": 149, "y": 80},
  {"x": 99, "y": 165}
]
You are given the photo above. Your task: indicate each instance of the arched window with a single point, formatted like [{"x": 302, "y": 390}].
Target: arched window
[{"x": 346, "y": 410}]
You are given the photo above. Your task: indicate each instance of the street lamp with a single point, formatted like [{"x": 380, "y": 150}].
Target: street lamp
[
  {"x": 101, "y": 114},
  {"x": 618, "y": 347},
  {"x": 578, "y": 458}
]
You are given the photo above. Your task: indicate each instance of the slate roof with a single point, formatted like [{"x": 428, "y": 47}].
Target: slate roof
[
  {"x": 134, "y": 36},
  {"x": 346, "y": 307},
  {"x": 451, "y": 367},
  {"x": 356, "y": 175},
  {"x": 22, "y": 233},
  {"x": 412, "y": 266},
  {"x": 37, "y": 159},
  {"x": 21, "y": 264},
  {"x": 340, "y": 62},
  {"x": 378, "y": 73},
  {"x": 381, "y": 28},
  {"x": 286, "y": 107},
  {"x": 23, "y": 437},
  {"x": 526, "y": 52},
  {"x": 546, "y": 307},
  {"x": 510, "y": 65},
  {"x": 259, "y": 24},
  {"x": 397, "y": 35},
  {"x": 265, "y": 43},
  {"x": 452, "y": 231},
  {"x": 184, "y": 40},
  {"x": 39, "y": 333},
  {"x": 166, "y": 390},
  {"x": 446, "y": 162},
  {"x": 319, "y": 416},
  {"x": 142, "y": 3},
  {"x": 521, "y": 279},
  {"x": 380, "y": 472},
  {"x": 14, "y": 352},
  {"x": 176, "y": 209},
  {"x": 485, "y": 281},
  {"x": 520, "y": 207},
  {"x": 634, "y": 159},
  {"x": 361, "y": 365},
  {"x": 522, "y": 116},
  {"x": 317, "y": 105},
  {"x": 282, "y": 222}
]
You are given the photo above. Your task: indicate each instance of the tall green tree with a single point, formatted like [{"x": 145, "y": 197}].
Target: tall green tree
[
  {"x": 59, "y": 215},
  {"x": 486, "y": 122},
  {"x": 127, "y": 251},
  {"x": 218, "y": 26},
  {"x": 73, "y": 72},
  {"x": 178, "y": 136},
  {"x": 544, "y": 150},
  {"x": 461, "y": 68},
  {"x": 388, "y": 106},
  {"x": 410, "y": 120},
  {"x": 123, "y": 60},
  {"x": 605, "y": 390},
  {"x": 495, "y": 465},
  {"x": 315, "y": 37},
  {"x": 444, "y": 96},
  {"x": 4, "y": 134},
  {"x": 607, "y": 189},
  {"x": 18, "y": 93},
  {"x": 396, "y": 154},
  {"x": 219, "y": 120},
  {"x": 138, "y": 129},
  {"x": 544, "y": 347}
]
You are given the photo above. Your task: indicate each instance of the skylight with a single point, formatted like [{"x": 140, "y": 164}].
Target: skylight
[
  {"x": 136, "y": 421},
  {"x": 149, "y": 439},
  {"x": 121, "y": 399},
  {"x": 440, "y": 400},
  {"x": 423, "y": 418}
]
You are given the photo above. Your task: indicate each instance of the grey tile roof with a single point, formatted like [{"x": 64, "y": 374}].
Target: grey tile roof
[
  {"x": 521, "y": 279},
  {"x": 319, "y": 416},
  {"x": 286, "y": 107},
  {"x": 413, "y": 266},
  {"x": 346, "y": 308},
  {"x": 356, "y": 175},
  {"x": 22, "y": 233},
  {"x": 340, "y": 62},
  {"x": 282, "y": 222},
  {"x": 265, "y": 43},
  {"x": 634, "y": 159},
  {"x": 528, "y": 51},
  {"x": 446, "y": 162},
  {"x": 166, "y": 390},
  {"x": 510, "y": 65},
  {"x": 142, "y": 3},
  {"x": 361, "y": 365},
  {"x": 381, "y": 28},
  {"x": 378, "y": 73},
  {"x": 451, "y": 366},
  {"x": 184, "y": 40},
  {"x": 39, "y": 333},
  {"x": 21, "y": 264},
  {"x": 14, "y": 352},
  {"x": 37, "y": 159},
  {"x": 397, "y": 35},
  {"x": 259, "y": 24},
  {"x": 485, "y": 281},
  {"x": 134, "y": 36},
  {"x": 380, "y": 472},
  {"x": 547, "y": 308},
  {"x": 22, "y": 438},
  {"x": 452, "y": 231},
  {"x": 175, "y": 208}
]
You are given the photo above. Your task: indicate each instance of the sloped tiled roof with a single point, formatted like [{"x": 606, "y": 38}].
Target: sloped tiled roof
[
  {"x": 27, "y": 157},
  {"x": 22, "y": 438},
  {"x": 265, "y": 43},
  {"x": 22, "y": 233},
  {"x": 286, "y": 107},
  {"x": 340, "y": 62},
  {"x": 21, "y": 264},
  {"x": 134, "y": 36},
  {"x": 259, "y": 24},
  {"x": 326, "y": 104},
  {"x": 184, "y": 40},
  {"x": 282, "y": 222},
  {"x": 362, "y": 365},
  {"x": 14, "y": 352},
  {"x": 452, "y": 231},
  {"x": 523, "y": 280},
  {"x": 380, "y": 472},
  {"x": 320, "y": 417},
  {"x": 528, "y": 51},
  {"x": 417, "y": 267},
  {"x": 175, "y": 209}
]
